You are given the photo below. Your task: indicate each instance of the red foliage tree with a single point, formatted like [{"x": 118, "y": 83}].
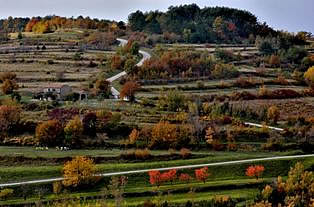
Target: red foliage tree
[
  {"x": 169, "y": 176},
  {"x": 255, "y": 171},
  {"x": 202, "y": 174},
  {"x": 155, "y": 177}
]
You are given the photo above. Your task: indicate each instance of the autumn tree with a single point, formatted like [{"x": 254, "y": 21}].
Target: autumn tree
[
  {"x": 49, "y": 133},
  {"x": 274, "y": 60},
  {"x": 9, "y": 86},
  {"x": 273, "y": 114},
  {"x": 74, "y": 131},
  {"x": 102, "y": 87},
  {"x": 90, "y": 124},
  {"x": 133, "y": 137},
  {"x": 202, "y": 174},
  {"x": 155, "y": 178},
  {"x": 116, "y": 62},
  {"x": 296, "y": 190},
  {"x": 129, "y": 89},
  {"x": 9, "y": 118},
  {"x": 79, "y": 172},
  {"x": 309, "y": 77},
  {"x": 255, "y": 171},
  {"x": 169, "y": 176},
  {"x": 164, "y": 135},
  {"x": 130, "y": 66},
  {"x": 7, "y": 76}
]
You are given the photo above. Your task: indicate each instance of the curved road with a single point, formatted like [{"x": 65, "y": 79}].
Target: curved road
[
  {"x": 163, "y": 169},
  {"x": 145, "y": 55}
]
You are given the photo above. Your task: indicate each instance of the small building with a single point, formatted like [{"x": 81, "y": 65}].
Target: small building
[{"x": 60, "y": 91}]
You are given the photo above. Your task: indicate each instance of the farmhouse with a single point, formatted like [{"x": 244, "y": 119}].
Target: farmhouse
[{"x": 60, "y": 91}]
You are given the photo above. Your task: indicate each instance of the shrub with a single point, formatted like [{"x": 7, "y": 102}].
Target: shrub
[
  {"x": 274, "y": 60},
  {"x": 49, "y": 133},
  {"x": 57, "y": 187},
  {"x": 273, "y": 144},
  {"x": 185, "y": 153},
  {"x": 185, "y": 178},
  {"x": 79, "y": 172},
  {"x": 225, "y": 71},
  {"x": 173, "y": 100},
  {"x": 273, "y": 114},
  {"x": 6, "y": 193},
  {"x": 142, "y": 154}
]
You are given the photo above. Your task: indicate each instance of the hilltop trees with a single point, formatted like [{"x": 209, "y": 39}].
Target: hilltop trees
[{"x": 196, "y": 25}]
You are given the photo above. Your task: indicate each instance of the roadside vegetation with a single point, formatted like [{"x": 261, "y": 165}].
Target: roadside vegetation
[{"x": 193, "y": 102}]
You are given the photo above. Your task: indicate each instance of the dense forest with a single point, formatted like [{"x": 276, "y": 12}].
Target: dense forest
[{"x": 192, "y": 24}]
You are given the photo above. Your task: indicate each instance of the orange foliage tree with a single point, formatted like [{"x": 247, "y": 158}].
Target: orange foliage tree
[
  {"x": 102, "y": 87},
  {"x": 7, "y": 76},
  {"x": 129, "y": 89},
  {"x": 255, "y": 171},
  {"x": 202, "y": 174},
  {"x": 9, "y": 86},
  {"x": 274, "y": 60},
  {"x": 79, "y": 172},
  {"x": 9, "y": 118},
  {"x": 49, "y": 133},
  {"x": 134, "y": 136}
]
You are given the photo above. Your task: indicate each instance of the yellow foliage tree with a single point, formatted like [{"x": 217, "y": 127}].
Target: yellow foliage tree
[
  {"x": 49, "y": 133},
  {"x": 164, "y": 134},
  {"x": 297, "y": 190},
  {"x": 74, "y": 130},
  {"x": 78, "y": 172},
  {"x": 9, "y": 86},
  {"x": 134, "y": 136},
  {"x": 273, "y": 114},
  {"x": 309, "y": 77}
]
